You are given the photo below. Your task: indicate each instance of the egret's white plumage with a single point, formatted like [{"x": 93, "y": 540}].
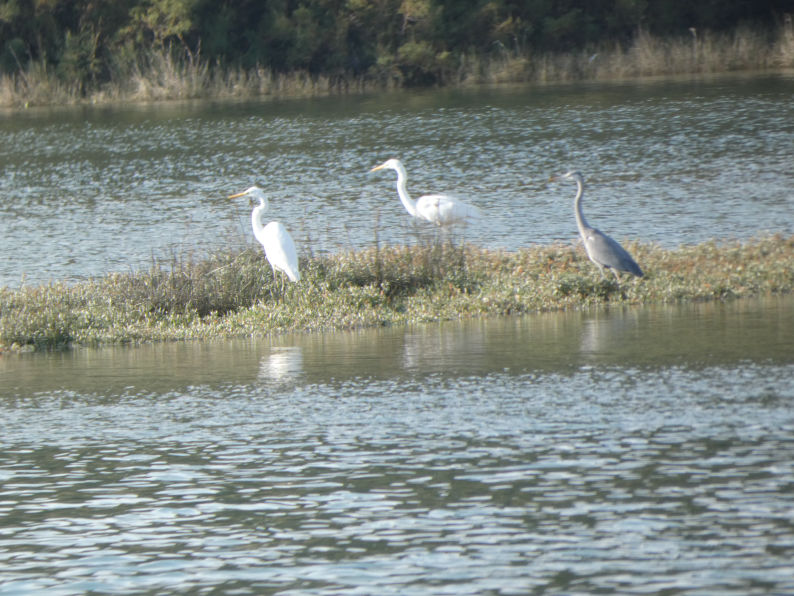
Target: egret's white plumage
[
  {"x": 442, "y": 210},
  {"x": 274, "y": 237},
  {"x": 600, "y": 248}
]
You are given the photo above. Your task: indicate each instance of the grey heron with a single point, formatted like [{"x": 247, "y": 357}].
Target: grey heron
[{"x": 601, "y": 249}]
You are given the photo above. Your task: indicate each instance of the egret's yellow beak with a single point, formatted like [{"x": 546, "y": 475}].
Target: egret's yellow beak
[
  {"x": 238, "y": 195},
  {"x": 376, "y": 168}
]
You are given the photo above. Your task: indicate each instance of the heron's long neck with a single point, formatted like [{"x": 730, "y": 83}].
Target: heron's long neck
[
  {"x": 256, "y": 219},
  {"x": 407, "y": 201},
  {"x": 581, "y": 222}
]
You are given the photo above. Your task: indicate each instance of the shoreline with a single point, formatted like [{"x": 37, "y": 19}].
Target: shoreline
[
  {"x": 162, "y": 77},
  {"x": 233, "y": 295}
]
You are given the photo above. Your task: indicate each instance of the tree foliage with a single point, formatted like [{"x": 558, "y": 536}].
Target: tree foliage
[{"x": 415, "y": 41}]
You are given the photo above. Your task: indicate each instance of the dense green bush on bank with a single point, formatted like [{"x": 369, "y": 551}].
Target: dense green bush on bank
[
  {"x": 124, "y": 48},
  {"x": 234, "y": 294}
]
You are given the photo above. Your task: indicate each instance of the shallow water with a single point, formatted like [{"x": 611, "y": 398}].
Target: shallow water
[
  {"x": 700, "y": 334},
  {"x": 633, "y": 451},
  {"x": 87, "y": 191}
]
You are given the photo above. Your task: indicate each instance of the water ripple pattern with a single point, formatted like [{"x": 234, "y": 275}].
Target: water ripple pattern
[
  {"x": 603, "y": 480},
  {"x": 87, "y": 191}
]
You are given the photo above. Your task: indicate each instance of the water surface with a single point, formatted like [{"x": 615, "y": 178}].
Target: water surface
[
  {"x": 633, "y": 451},
  {"x": 698, "y": 334}
]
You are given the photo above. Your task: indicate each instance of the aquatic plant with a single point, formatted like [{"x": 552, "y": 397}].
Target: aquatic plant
[{"x": 233, "y": 294}]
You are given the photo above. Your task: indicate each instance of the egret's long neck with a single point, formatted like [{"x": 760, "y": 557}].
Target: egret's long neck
[
  {"x": 256, "y": 218},
  {"x": 407, "y": 201},
  {"x": 581, "y": 222}
]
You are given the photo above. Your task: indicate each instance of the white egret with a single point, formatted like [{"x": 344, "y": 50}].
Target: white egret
[
  {"x": 600, "y": 248},
  {"x": 442, "y": 210},
  {"x": 274, "y": 237}
]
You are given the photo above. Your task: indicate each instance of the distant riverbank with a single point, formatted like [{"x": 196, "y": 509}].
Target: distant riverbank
[
  {"x": 163, "y": 75},
  {"x": 234, "y": 295}
]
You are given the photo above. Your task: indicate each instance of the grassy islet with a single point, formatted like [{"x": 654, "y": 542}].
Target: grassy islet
[{"x": 233, "y": 293}]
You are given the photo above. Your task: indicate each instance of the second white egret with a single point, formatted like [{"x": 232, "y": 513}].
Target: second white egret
[{"x": 442, "y": 210}]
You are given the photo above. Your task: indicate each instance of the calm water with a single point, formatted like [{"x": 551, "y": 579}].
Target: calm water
[
  {"x": 632, "y": 451},
  {"x": 87, "y": 191}
]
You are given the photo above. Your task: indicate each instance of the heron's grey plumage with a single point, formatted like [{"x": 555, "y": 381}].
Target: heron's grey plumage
[{"x": 600, "y": 248}]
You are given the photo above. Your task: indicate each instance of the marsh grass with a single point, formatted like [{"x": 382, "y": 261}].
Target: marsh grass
[
  {"x": 163, "y": 74},
  {"x": 646, "y": 55},
  {"x": 36, "y": 86},
  {"x": 233, "y": 294}
]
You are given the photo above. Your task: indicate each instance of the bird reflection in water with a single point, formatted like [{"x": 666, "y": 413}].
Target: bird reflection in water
[
  {"x": 282, "y": 365},
  {"x": 605, "y": 334}
]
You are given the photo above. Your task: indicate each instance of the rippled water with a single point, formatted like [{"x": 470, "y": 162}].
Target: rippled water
[
  {"x": 86, "y": 191},
  {"x": 631, "y": 451}
]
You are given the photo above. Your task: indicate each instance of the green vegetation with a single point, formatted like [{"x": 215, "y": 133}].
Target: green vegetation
[
  {"x": 232, "y": 295},
  {"x": 67, "y": 51}
]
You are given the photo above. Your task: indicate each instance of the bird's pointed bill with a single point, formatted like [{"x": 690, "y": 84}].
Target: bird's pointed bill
[{"x": 238, "y": 195}]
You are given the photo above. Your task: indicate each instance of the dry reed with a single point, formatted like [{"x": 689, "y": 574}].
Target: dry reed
[
  {"x": 161, "y": 76},
  {"x": 647, "y": 55}
]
